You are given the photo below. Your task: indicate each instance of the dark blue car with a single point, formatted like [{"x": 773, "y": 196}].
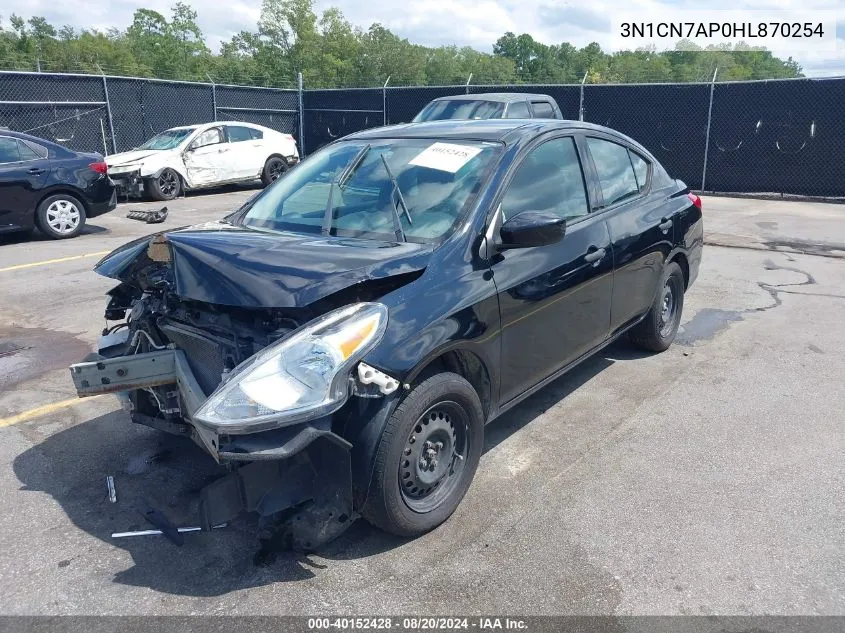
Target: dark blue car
[
  {"x": 46, "y": 186},
  {"x": 342, "y": 340}
]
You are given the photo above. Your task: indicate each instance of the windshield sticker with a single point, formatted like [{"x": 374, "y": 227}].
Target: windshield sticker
[{"x": 445, "y": 156}]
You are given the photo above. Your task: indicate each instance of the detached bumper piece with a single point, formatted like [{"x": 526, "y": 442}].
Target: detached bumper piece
[
  {"x": 150, "y": 217},
  {"x": 298, "y": 478}
]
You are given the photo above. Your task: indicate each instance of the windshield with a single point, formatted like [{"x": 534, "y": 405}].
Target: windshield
[
  {"x": 435, "y": 179},
  {"x": 168, "y": 139},
  {"x": 461, "y": 109}
]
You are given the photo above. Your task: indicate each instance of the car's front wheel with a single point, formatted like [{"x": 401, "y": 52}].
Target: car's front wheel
[
  {"x": 273, "y": 170},
  {"x": 657, "y": 330},
  {"x": 60, "y": 216},
  {"x": 166, "y": 186},
  {"x": 427, "y": 456}
]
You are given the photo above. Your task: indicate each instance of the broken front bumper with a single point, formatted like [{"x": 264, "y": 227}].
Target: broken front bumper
[
  {"x": 128, "y": 183},
  {"x": 302, "y": 470}
]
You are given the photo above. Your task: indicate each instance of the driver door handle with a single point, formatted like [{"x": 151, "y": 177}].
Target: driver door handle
[
  {"x": 595, "y": 256},
  {"x": 665, "y": 225}
]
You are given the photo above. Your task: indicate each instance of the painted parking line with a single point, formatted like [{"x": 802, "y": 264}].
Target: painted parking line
[
  {"x": 54, "y": 261},
  {"x": 45, "y": 409}
]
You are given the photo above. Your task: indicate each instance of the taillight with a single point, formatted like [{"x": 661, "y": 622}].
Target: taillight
[
  {"x": 100, "y": 168},
  {"x": 696, "y": 200}
]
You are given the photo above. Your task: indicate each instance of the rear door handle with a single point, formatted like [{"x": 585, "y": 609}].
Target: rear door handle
[
  {"x": 595, "y": 256},
  {"x": 35, "y": 171},
  {"x": 665, "y": 225}
]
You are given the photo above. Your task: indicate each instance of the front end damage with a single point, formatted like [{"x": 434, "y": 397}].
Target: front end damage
[{"x": 172, "y": 360}]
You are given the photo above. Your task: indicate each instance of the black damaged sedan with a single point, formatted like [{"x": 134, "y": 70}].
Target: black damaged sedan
[{"x": 341, "y": 341}]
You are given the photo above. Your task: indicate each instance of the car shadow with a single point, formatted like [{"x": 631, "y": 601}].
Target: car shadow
[
  {"x": 166, "y": 472},
  {"x": 19, "y": 237}
]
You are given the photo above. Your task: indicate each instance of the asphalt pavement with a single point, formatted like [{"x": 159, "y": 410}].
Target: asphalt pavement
[{"x": 704, "y": 480}]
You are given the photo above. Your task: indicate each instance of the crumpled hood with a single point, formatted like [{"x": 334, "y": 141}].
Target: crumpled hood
[
  {"x": 226, "y": 265},
  {"x": 135, "y": 156}
]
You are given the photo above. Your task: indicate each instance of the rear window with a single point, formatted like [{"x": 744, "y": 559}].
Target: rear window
[
  {"x": 255, "y": 134},
  {"x": 543, "y": 110},
  {"x": 640, "y": 169},
  {"x": 9, "y": 151},
  {"x": 518, "y": 110},
  {"x": 462, "y": 109},
  {"x": 238, "y": 133},
  {"x": 32, "y": 152}
]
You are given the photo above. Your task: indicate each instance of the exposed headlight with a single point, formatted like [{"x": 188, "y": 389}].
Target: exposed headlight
[{"x": 300, "y": 377}]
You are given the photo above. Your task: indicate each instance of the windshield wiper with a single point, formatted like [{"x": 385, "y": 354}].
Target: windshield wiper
[
  {"x": 397, "y": 220},
  {"x": 338, "y": 182}
]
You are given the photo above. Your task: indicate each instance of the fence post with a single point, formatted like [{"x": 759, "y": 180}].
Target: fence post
[
  {"x": 707, "y": 136},
  {"x": 213, "y": 95},
  {"x": 384, "y": 100},
  {"x": 581, "y": 101},
  {"x": 469, "y": 79},
  {"x": 301, "y": 116},
  {"x": 108, "y": 111}
]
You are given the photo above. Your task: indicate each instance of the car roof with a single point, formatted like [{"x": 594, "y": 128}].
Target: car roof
[
  {"x": 503, "y": 97},
  {"x": 506, "y": 131}
]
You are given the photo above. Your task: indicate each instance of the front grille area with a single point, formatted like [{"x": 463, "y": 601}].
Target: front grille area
[{"x": 204, "y": 355}]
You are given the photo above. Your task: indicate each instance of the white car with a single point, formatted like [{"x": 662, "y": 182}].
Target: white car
[{"x": 201, "y": 156}]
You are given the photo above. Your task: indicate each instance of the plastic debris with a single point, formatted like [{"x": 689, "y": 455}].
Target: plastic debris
[
  {"x": 112, "y": 491},
  {"x": 150, "y": 217},
  {"x": 157, "y": 532}
]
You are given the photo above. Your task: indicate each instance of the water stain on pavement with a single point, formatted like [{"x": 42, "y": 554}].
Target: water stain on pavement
[
  {"x": 710, "y": 321},
  {"x": 26, "y": 353},
  {"x": 706, "y": 324}
]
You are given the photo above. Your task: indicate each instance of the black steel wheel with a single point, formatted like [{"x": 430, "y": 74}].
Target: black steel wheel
[
  {"x": 167, "y": 186},
  {"x": 274, "y": 169},
  {"x": 434, "y": 457},
  {"x": 427, "y": 456},
  {"x": 658, "y": 329}
]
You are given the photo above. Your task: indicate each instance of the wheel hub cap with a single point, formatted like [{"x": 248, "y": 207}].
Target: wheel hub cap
[{"x": 63, "y": 216}]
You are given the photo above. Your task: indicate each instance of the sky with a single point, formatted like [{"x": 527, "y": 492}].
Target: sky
[{"x": 476, "y": 23}]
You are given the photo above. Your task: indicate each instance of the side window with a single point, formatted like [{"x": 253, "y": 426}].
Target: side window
[
  {"x": 9, "y": 152},
  {"x": 640, "y": 169},
  {"x": 549, "y": 179},
  {"x": 518, "y": 110},
  {"x": 28, "y": 152},
  {"x": 543, "y": 110},
  {"x": 209, "y": 137},
  {"x": 255, "y": 134},
  {"x": 616, "y": 174},
  {"x": 238, "y": 133}
]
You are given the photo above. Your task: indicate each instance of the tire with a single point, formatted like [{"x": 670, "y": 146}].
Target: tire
[
  {"x": 443, "y": 404},
  {"x": 60, "y": 216},
  {"x": 274, "y": 168},
  {"x": 166, "y": 186},
  {"x": 656, "y": 332}
]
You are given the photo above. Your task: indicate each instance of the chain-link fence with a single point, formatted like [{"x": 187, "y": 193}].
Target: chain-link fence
[
  {"x": 109, "y": 114},
  {"x": 781, "y": 136},
  {"x": 776, "y": 136}
]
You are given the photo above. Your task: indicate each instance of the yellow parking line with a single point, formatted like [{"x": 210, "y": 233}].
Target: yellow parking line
[
  {"x": 43, "y": 410},
  {"x": 54, "y": 261}
]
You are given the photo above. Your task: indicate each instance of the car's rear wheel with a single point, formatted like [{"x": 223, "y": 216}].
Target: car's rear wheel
[
  {"x": 427, "y": 456},
  {"x": 274, "y": 168},
  {"x": 657, "y": 330},
  {"x": 166, "y": 186},
  {"x": 60, "y": 216}
]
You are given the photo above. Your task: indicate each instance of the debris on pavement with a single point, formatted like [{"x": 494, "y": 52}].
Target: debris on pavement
[
  {"x": 150, "y": 217},
  {"x": 111, "y": 488},
  {"x": 158, "y": 532}
]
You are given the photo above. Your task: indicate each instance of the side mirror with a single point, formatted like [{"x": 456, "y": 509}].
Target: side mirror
[{"x": 531, "y": 228}]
